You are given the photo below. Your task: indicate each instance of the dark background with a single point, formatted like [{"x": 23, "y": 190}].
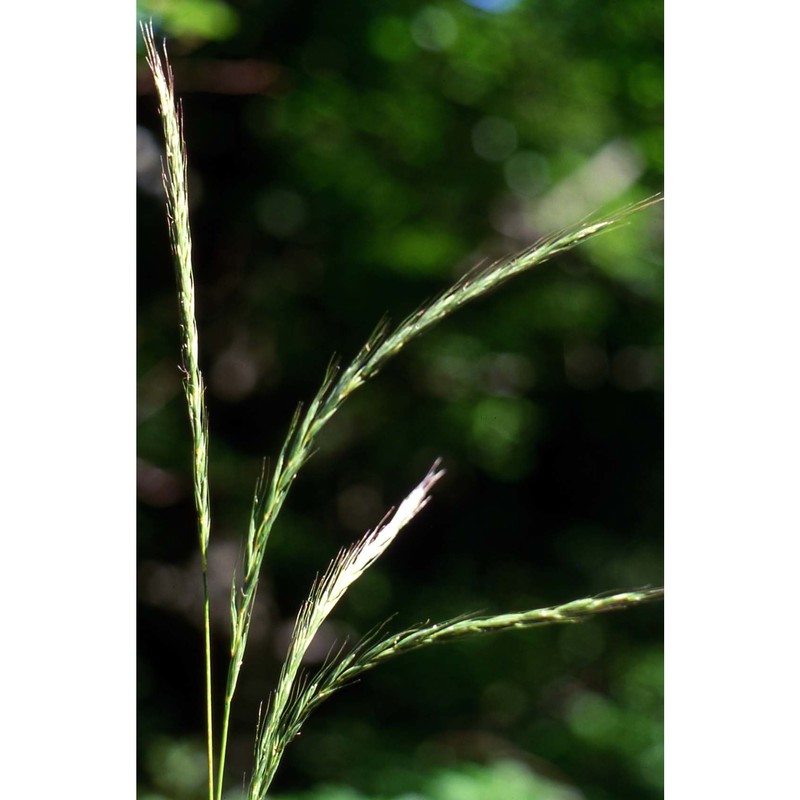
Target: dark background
[{"x": 348, "y": 160}]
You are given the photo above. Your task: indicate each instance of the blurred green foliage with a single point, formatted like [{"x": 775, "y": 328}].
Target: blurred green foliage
[
  {"x": 201, "y": 20},
  {"x": 502, "y": 780},
  {"x": 348, "y": 160}
]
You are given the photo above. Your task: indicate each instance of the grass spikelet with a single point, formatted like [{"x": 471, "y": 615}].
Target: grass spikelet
[
  {"x": 298, "y": 694},
  {"x": 373, "y": 650},
  {"x": 345, "y": 569},
  {"x": 174, "y": 176},
  {"x": 383, "y": 345}
]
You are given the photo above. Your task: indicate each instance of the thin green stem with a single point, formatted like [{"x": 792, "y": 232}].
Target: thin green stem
[
  {"x": 174, "y": 175},
  {"x": 223, "y": 747},
  {"x": 209, "y": 719}
]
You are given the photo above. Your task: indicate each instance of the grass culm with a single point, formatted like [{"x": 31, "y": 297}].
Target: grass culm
[{"x": 298, "y": 693}]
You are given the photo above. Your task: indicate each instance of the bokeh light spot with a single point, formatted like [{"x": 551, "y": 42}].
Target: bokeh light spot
[
  {"x": 434, "y": 29},
  {"x": 493, "y": 6},
  {"x": 527, "y": 173},
  {"x": 494, "y": 138},
  {"x": 389, "y": 39},
  {"x": 281, "y": 212}
]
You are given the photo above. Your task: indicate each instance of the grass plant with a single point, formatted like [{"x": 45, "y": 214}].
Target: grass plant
[{"x": 297, "y": 693}]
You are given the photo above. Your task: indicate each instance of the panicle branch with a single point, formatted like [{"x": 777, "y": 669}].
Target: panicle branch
[
  {"x": 341, "y": 671},
  {"x": 381, "y": 347}
]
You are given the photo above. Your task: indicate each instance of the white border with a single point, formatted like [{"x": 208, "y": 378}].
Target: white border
[
  {"x": 68, "y": 394},
  {"x": 732, "y": 312}
]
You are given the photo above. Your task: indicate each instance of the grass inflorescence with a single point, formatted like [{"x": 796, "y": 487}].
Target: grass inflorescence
[{"x": 297, "y": 694}]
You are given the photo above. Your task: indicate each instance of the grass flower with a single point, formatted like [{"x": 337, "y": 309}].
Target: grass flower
[{"x": 298, "y": 694}]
